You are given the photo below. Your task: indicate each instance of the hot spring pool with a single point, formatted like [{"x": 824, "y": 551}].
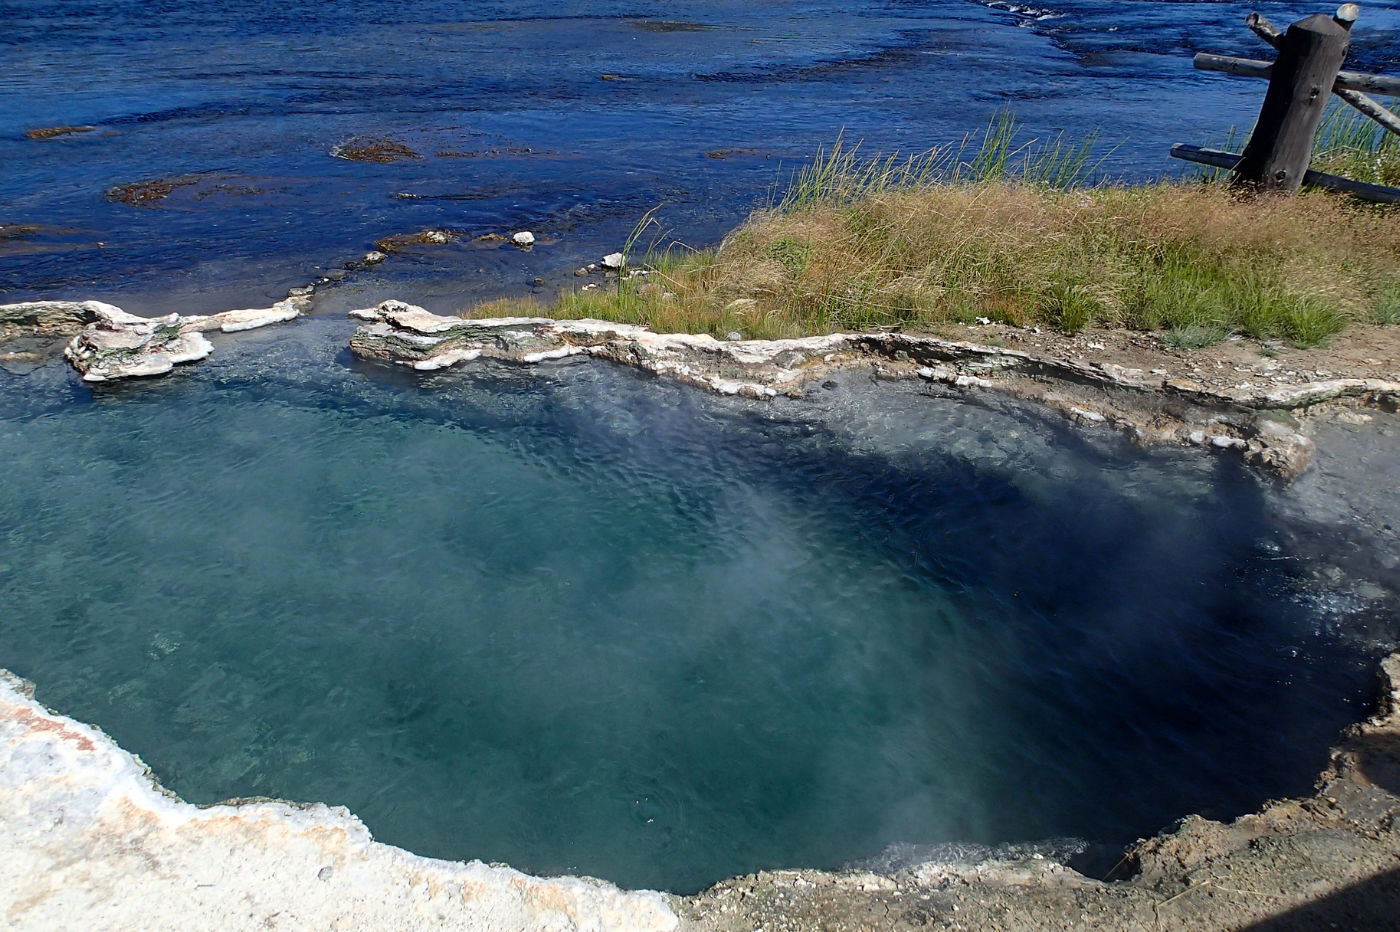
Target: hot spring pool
[{"x": 582, "y": 621}]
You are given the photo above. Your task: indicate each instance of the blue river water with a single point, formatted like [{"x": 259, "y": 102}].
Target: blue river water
[{"x": 571, "y": 120}]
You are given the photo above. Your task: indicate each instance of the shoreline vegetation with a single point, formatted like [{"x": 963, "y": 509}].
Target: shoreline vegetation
[{"x": 1015, "y": 233}]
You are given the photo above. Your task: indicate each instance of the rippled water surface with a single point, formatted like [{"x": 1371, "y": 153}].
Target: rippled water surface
[
  {"x": 585, "y": 621},
  {"x": 571, "y": 120}
]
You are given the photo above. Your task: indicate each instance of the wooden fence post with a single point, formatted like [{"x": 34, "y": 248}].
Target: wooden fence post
[{"x": 1310, "y": 55}]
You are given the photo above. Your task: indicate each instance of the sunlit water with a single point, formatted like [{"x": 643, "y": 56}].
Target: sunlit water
[
  {"x": 583, "y": 621},
  {"x": 570, "y": 120}
]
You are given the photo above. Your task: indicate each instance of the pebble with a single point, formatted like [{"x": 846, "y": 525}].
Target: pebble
[
  {"x": 612, "y": 260},
  {"x": 523, "y": 238}
]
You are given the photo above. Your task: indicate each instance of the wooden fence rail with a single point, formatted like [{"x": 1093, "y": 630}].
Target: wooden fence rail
[{"x": 1309, "y": 65}]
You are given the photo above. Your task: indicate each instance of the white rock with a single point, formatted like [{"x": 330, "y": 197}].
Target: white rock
[
  {"x": 252, "y": 318},
  {"x": 523, "y": 238},
  {"x": 449, "y": 358},
  {"x": 91, "y": 843},
  {"x": 612, "y": 260},
  {"x": 559, "y": 353}
]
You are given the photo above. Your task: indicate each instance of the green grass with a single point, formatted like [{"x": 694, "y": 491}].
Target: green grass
[
  {"x": 1014, "y": 232},
  {"x": 1352, "y": 145},
  {"x": 842, "y": 175}
]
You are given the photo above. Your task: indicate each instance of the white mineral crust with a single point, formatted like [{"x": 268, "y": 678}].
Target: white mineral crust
[{"x": 89, "y": 841}]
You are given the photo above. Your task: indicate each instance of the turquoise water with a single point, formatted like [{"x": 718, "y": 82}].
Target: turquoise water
[{"x": 584, "y": 621}]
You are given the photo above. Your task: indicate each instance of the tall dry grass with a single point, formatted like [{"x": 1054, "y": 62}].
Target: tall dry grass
[{"x": 1010, "y": 233}]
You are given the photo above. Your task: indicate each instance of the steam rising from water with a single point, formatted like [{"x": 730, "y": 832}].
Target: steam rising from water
[{"x": 584, "y": 621}]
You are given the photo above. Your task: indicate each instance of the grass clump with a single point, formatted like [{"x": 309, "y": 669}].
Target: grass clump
[
  {"x": 1012, "y": 233},
  {"x": 1351, "y": 144}
]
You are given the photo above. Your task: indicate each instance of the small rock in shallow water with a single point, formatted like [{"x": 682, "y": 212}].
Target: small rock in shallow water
[
  {"x": 612, "y": 260},
  {"x": 54, "y": 132},
  {"x": 523, "y": 238},
  {"x": 118, "y": 345}
]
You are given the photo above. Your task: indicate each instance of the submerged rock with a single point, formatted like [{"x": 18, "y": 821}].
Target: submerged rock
[
  {"x": 49, "y": 317},
  {"x": 398, "y": 241},
  {"x": 55, "y": 132},
  {"x": 118, "y": 345},
  {"x": 381, "y": 149}
]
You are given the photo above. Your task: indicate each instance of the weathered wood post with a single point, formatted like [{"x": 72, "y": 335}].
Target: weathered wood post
[{"x": 1310, "y": 55}]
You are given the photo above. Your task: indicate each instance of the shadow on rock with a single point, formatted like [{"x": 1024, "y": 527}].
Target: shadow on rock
[{"x": 1371, "y": 904}]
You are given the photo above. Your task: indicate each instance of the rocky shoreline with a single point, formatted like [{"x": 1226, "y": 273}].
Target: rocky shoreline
[
  {"x": 1262, "y": 422},
  {"x": 113, "y": 344},
  {"x": 1157, "y": 400},
  {"x": 1262, "y": 419},
  {"x": 92, "y": 840}
]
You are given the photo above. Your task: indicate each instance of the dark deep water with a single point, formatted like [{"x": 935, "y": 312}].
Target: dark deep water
[
  {"x": 243, "y": 101},
  {"x": 584, "y": 621}
]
